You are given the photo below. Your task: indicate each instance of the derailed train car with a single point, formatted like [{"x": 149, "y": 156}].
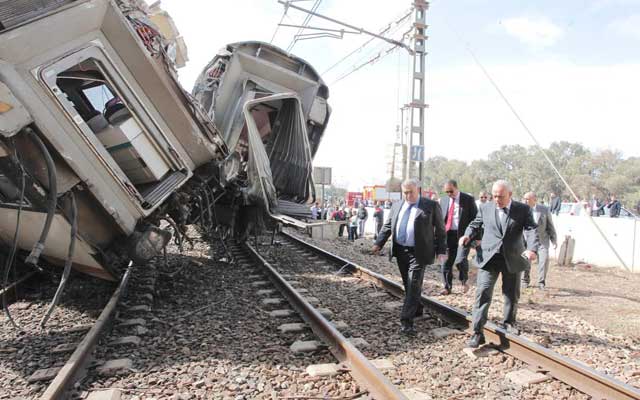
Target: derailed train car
[{"x": 99, "y": 143}]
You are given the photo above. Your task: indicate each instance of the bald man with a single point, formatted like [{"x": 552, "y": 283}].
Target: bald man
[{"x": 504, "y": 222}]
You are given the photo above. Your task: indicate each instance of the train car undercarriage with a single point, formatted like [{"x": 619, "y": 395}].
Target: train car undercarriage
[{"x": 103, "y": 155}]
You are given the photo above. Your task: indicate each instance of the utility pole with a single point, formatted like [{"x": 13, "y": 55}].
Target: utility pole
[{"x": 415, "y": 149}]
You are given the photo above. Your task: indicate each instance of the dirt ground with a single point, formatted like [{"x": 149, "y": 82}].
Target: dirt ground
[
  {"x": 586, "y": 312},
  {"x": 608, "y": 298}
]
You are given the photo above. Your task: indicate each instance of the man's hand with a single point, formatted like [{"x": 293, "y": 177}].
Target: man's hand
[
  {"x": 531, "y": 256},
  {"x": 555, "y": 246},
  {"x": 442, "y": 258},
  {"x": 375, "y": 250},
  {"x": 463, "y": 241}
]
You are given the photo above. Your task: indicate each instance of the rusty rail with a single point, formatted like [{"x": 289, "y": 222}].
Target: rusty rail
[
  {"x": 571, "y": 372},
  {"x": 75, "y": 366},
  {"x": 367, "y": 375}
]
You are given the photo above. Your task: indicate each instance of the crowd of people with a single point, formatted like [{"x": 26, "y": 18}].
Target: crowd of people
[
  {"x": 353, "y": 218},
  {"x": 507, "y": 235}
]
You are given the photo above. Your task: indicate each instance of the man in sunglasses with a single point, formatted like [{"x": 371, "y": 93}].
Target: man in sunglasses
[{"x": 458, "y": 209}]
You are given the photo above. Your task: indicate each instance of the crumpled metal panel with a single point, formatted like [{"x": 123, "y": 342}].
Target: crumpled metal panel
[{"x": 284, "y": 169}]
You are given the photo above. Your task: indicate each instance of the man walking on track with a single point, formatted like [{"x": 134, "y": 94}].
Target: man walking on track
[
  {"x": 459, "y": 209},
  {"x": 504, "y": 222},
  {"x": 417, "y": 228},
  {"x": 546, "y": 235}
]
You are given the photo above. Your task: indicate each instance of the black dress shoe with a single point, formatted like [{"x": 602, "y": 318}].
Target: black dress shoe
[
  {"x": 511, "y": 328},
  {"x": 408, "y": 329},
  {"x": 476, "y": 340}
]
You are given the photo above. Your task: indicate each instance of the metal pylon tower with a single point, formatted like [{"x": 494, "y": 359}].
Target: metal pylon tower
[{"x": 415, "y": 154}]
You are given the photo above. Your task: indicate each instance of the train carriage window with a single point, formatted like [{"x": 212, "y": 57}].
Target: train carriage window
[
  {"x": 130, "y": 147},
  {"x": 98, "y": 96}
]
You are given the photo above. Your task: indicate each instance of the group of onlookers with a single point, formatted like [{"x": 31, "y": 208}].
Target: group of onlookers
[{"x": 354, "y": 218}]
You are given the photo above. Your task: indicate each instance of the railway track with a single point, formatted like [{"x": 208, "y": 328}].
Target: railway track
[
  {"x": 75, "y": 367},
  {"x": 573, "y": 373},
  {"x": 225, "y": 342}
]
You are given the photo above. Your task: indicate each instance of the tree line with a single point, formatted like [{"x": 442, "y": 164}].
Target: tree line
[{"x": 602, "y": 172}]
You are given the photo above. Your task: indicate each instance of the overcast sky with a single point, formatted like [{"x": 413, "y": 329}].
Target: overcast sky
[{"x": 570, "y": 68}]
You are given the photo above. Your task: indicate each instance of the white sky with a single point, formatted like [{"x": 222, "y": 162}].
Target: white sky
[{"x": 569, "y": 68}]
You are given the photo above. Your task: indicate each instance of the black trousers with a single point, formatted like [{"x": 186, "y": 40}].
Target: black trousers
[
  {"x": 341, "y": 229},
  {"x": 378, "y": 228},
  {"x": 353, "y": 233},
  {"x": 412, "y": 276},
  {"x": 447, "y": 267},
  {"x": 487, "y": 278}
]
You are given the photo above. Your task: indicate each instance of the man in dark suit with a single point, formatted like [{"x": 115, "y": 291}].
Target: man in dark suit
[
  {"x": 614, "y": 207},
  {"x": 554, "y": 204},
  {"x": 458, "y": 209},
  {"x": 418, "y": 235},
  {"x": 504, "y": 222}
]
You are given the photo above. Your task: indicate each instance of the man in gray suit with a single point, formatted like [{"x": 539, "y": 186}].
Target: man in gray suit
[
  {"x": 504, "y": 222},
  {"x": 417, "y": 228},
  {"x": 546, "y": 235}
]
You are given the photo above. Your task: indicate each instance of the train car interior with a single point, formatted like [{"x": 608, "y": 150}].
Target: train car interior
[{"x": 123, "y": 135}]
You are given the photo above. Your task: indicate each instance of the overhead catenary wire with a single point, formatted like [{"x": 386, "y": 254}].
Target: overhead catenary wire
[
  {"x": 305, "y": 22},
  {"x": 275, "y": 32},
  {"x": 381, "y": 54},
  {"x": 397, "y": 21},
  {"x": 531, "y": 135},
  {"x": 379, "y": 48},
  {"x": 373, "y": 60}
]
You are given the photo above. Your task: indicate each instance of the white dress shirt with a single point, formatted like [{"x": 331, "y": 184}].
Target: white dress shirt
[{"x": 411, "y": 239}]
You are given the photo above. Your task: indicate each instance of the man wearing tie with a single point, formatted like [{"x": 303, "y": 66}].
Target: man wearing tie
[
  {"x": 504, "y": 222},
  {"x": 459, "y": 209},
  {"x": 546, "y": 235},
  {"x": 418, "y": 235}
]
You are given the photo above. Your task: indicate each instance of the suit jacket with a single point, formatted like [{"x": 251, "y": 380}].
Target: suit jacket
[
  {"x": 614, "y": 209},
  {"x": 430, "y": 237},
  {"x": 467, "y": 212},
  {"x": 546, "y": 230},
  {"x": 555, "y": 205},
  {"x": 519, "y": 222}
]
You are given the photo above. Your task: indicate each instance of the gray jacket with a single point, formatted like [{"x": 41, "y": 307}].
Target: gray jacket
[
  {"x": 519, "y": 222},
  {"x": 546, "y": 230}
]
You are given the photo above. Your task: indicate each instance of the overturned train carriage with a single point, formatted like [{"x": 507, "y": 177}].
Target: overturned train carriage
[
  {"x": 258, "y": 94},
  {"x": 99, "y": 144}
]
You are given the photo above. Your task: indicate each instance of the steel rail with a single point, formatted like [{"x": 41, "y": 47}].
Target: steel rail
[
  {"x": 365, "y": 373},
  {"x": 571, "y": 372},
  {"x": 74, "y": 368}
]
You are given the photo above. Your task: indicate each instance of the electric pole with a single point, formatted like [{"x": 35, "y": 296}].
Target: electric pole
[{"x": 415, "y": 149}]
